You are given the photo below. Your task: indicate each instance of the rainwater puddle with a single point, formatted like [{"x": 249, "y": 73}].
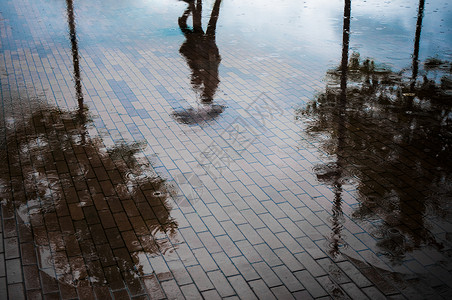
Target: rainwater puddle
[{"x": 182, "y": 148}]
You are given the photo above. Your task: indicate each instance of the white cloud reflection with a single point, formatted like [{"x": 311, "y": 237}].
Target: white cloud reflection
[{"x": 383, "y": 30}]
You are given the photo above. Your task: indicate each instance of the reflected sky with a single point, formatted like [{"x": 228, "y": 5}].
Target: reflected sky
[{"x": 381, "y": 30}]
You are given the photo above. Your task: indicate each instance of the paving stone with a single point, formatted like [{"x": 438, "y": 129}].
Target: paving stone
[
  {"x": 331, "y": 287},
  {"x": 245, "y": 268},
  {"x": 271, "y": 240},
  {"x": 3, "y": 288},
  {"x": 310, "y": 264},
  {"x": 228, "y": 246},
  {"x": 248, "y": 251},
  {"x": 289, "y": 260},
  {"x": 205, "y": 260},
  {"x": 190, "y": 291},
  {"x": 213, "y": 224},
  {"x": 210, "y": 242},
  {"x": 9, "y": 228},
  {"x": 13, "y": 271},
  {"x": 225, "y": 264},
  {"x": 252, "y": 218},
  {"x": 353, "y": 291},
  {"x": 302, "y": 295},
  {"x": 235, "y": 215},
  {"x": 232, "y": 231},
  {"x": 31, "y": 277},
  {"x": 281, "y": 292},
  {"x": 311, "y": 247},
  {"x": 211, "y": 294},
  {"x": 114, "y": 278},
  {"x": 261, "y": 289},
  {"x": 272, "y": 258},
  {"x": 187, "y": 256},
  {"x": 2, "y": 265},
  {"x": 221, "y": 283},
  {"x": 200, "y": 278},
  {"x": 34, "y": 295},
  {"x": 11, "y": 248},
  {"x": 356, "y": 276},
  {"x": 333, "y": 270},
  {"x": 153, "y": 287},
  {"x": 16, "y": 291},
  {"x": 241, "y": 287},
  {"x": 381, "y": 282},
  {"x": 192, "y": 239},
  {"x": 288, "y": 279},
  {"x": 196, "y": 222},
  {"x": 267, "y": 274},
  {"x": 49, "y": 284}
]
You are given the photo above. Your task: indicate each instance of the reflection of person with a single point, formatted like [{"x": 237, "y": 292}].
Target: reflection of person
[
  {"x": 201, "y": 53},
  {"x": 200, "y": 49}
]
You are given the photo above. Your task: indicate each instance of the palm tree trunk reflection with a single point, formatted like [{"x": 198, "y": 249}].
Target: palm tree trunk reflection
[
  {"x": 417, "y": 39},
  {"x": 75, "y": 55},
  {"x": 337, "y": 218}
]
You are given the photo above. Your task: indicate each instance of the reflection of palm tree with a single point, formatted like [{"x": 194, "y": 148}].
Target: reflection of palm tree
[
  {"x": 401, "y": 156},
  {"x": 65, "y": 173},
  {"x": 379, "y": 133},
  {"x": 335, "y": 174},
  {"x": 417, "y": 40},
  {"x": 75, "y": 55},
  {"x": 203, "y": 58}
]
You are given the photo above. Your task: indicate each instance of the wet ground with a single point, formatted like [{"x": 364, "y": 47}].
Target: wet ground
[{"x": 222, "y": 149}]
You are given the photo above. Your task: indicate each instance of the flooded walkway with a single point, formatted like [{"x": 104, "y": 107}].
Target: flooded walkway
[{"x": 221, "y": 149}]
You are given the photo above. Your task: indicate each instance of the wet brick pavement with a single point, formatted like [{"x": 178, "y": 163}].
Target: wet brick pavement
[{"x": 113, "y": 188}]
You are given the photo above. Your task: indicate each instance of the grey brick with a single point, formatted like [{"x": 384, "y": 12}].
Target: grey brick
[
  {"x": 245, "y": 268},
  {"x": 311, "y": 284},
  {"x": 267, "y": 274},
  {"x": 200, "y": 278},
  {"x": 261, "y": 289},
  {"x": 221, "y": 283},
  {"x": 190, "y": 291},
  {"x": 241, "y": 287}
]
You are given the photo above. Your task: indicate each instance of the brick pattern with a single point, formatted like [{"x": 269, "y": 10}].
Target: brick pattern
[{"x": 126, "y": 205}]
